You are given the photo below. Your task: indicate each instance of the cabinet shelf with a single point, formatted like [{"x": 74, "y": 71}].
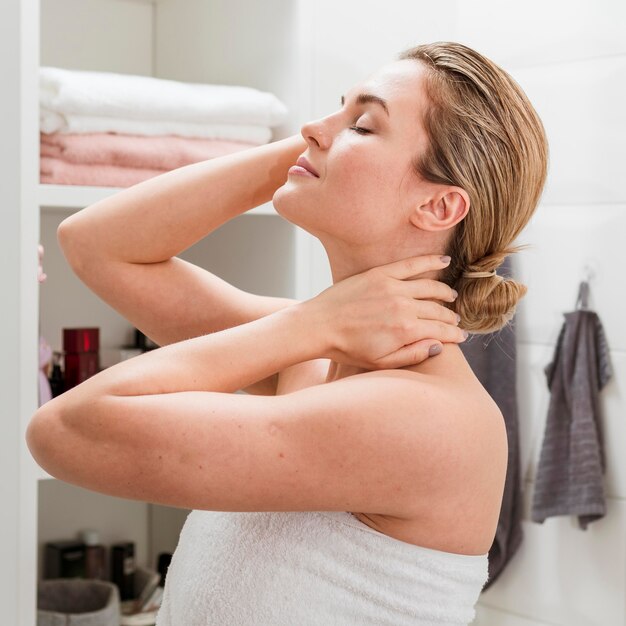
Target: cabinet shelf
[{"x": 70, "y": 198}]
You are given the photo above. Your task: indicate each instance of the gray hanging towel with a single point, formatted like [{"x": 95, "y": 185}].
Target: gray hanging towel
[
  {"x": 493, "y": 360},
  {"x": 572, "y": 462}
]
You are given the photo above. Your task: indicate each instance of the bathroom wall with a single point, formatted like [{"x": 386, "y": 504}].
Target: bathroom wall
[{"x": 570, "y": 58}]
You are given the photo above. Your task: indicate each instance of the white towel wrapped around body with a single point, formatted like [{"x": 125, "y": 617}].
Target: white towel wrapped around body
[
  {"x": 145, "y": 98},
  {"x": 314, "y": 568}
]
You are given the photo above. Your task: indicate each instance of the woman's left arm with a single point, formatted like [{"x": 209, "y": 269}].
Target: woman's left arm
[{"x": 165, "y": 426}]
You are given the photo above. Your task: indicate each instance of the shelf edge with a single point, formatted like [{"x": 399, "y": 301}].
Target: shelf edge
[{"x": 71, "y": 198}]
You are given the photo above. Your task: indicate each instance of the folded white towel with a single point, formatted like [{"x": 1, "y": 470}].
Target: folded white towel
[
  {"x": 314, "y": 568},
  {"x": 53, "y": 122},
  {"x": 106, "y": 94}
]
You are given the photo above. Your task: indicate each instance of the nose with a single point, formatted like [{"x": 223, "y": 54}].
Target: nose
[{"x": 317, "y": 133}]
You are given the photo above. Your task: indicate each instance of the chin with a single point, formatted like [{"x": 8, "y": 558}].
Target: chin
[
  {"x": 294, "y": 205},
  {"x": 288, "y": 206}
]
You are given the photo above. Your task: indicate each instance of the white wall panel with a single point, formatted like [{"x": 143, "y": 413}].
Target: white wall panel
[
  {"x": 582, "y": 107},
  {"x": 353, "y": 38},
  {"x": 535, "y": 32},
  {"x": 564, "y": 575},
  {"x": 564, "y": 240},
  {"x": 533, "y": 401},
  {"x": 532, "y": 398},
  {"x": 110, "y": 35}
]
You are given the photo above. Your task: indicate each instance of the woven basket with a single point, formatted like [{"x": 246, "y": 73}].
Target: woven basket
[{"x": 77, "y": 602}]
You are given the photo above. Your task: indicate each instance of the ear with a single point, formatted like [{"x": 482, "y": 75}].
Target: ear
[{"x": 442, "y": 210}]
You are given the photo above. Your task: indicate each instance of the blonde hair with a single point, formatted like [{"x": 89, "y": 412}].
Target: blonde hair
[{"x": 485, "y": 137}]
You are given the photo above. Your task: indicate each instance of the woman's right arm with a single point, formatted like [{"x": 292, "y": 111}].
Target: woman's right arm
[{"x": 124, "y": 247}]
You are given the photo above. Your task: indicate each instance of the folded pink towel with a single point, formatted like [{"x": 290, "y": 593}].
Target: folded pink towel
[
  {"x": 59, "y": 172},
  {"x": 164, "y": 152}
]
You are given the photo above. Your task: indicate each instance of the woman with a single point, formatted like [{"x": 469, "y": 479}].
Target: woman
[{"x": 361, "y": 478}]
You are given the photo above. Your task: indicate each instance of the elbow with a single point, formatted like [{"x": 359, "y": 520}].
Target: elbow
[
  {"x": 66, "y": 237},
  {"x": 74, "y": 244},
  {"x": 40, "y": 436},
  {"x": 48, "y": 436}
]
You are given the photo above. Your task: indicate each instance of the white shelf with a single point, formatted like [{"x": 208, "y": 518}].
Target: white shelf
[{"x": 69, "y": 198}]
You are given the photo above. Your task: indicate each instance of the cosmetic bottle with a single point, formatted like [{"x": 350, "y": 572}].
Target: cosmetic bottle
[
  {"x": 94, "y": 555},
  {"x": 80, "y": 346},
  {"x": 123, "y": 569},
  {"x": 56, "y": 379},
  {"x": 64, "y": 559}
]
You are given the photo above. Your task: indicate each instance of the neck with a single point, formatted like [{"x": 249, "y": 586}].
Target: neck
[{"x": 346, "y": 259}]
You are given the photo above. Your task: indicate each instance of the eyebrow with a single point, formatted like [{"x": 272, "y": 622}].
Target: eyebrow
[{"x": 365, "y": 98}]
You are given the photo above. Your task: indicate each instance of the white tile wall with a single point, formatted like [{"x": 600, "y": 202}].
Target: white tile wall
[
  {"x": 564, "y": 575},
  {"x": 532, "y": 400},
  {"x": 535, "y": 32},
  {"x": 582, "y": 107},
  {"x": 570, "y": 58},
  {"x": 565, "y": 239}
]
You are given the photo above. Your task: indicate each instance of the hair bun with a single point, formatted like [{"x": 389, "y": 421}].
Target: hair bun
[{"x": 487, "y": 304}]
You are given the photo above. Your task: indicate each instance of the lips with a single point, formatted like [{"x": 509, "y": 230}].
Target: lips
[{"x": 302, "y": 162}]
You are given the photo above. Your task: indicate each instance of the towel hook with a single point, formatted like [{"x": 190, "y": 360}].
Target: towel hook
[
  {"x": 588, "y": 273},
  {"x": 590, "y": 270}
]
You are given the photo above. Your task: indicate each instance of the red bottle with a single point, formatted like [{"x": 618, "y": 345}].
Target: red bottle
[{"x": 81, "y": 346}]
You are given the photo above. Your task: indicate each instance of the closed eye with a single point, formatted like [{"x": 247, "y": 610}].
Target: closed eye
[{"x": 360, "y": 130}]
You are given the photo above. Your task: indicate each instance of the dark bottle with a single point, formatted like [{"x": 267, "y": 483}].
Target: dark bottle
[
  {"x": 94, "y": 555},
  {"x": 123, "y": 569},
  {"x": 165, "y": 558},
  {"x": 56, "y": 379},
  {"x": 64, "y": 559}
]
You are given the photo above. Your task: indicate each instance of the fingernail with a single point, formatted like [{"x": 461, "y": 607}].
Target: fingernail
[
  {"x": 455, "y": 293},
  {"x": 458, "y": 318},
  {"x": 434, "y": 349},
  {"x": 445, "y": 259},
  {"x": 465, "y": 334}
]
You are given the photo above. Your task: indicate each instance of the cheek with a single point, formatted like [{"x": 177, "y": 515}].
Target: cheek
[{"x": 358, "y": 178}]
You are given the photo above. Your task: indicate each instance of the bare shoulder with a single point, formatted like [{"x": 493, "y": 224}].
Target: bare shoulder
[
  {"x": 471, "y": 468},
  {"x": 458, "y": 439}
]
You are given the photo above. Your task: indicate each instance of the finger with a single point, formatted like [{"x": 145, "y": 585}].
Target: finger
[
  {"x": 424, "y": 309},
  {"x": 414, "y": 265},
  {"x": 429, "y": 289},
  {"x": 439, "y": 331},
  {"x": 410, "y": 354}
]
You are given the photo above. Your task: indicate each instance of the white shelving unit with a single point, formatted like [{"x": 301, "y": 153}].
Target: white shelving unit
[
  {"x": 307, "y": 53},
  {"x": 263, "y": 45}
]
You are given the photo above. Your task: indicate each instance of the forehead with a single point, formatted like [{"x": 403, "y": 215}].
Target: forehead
[{"x": 400, "y": 83}]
